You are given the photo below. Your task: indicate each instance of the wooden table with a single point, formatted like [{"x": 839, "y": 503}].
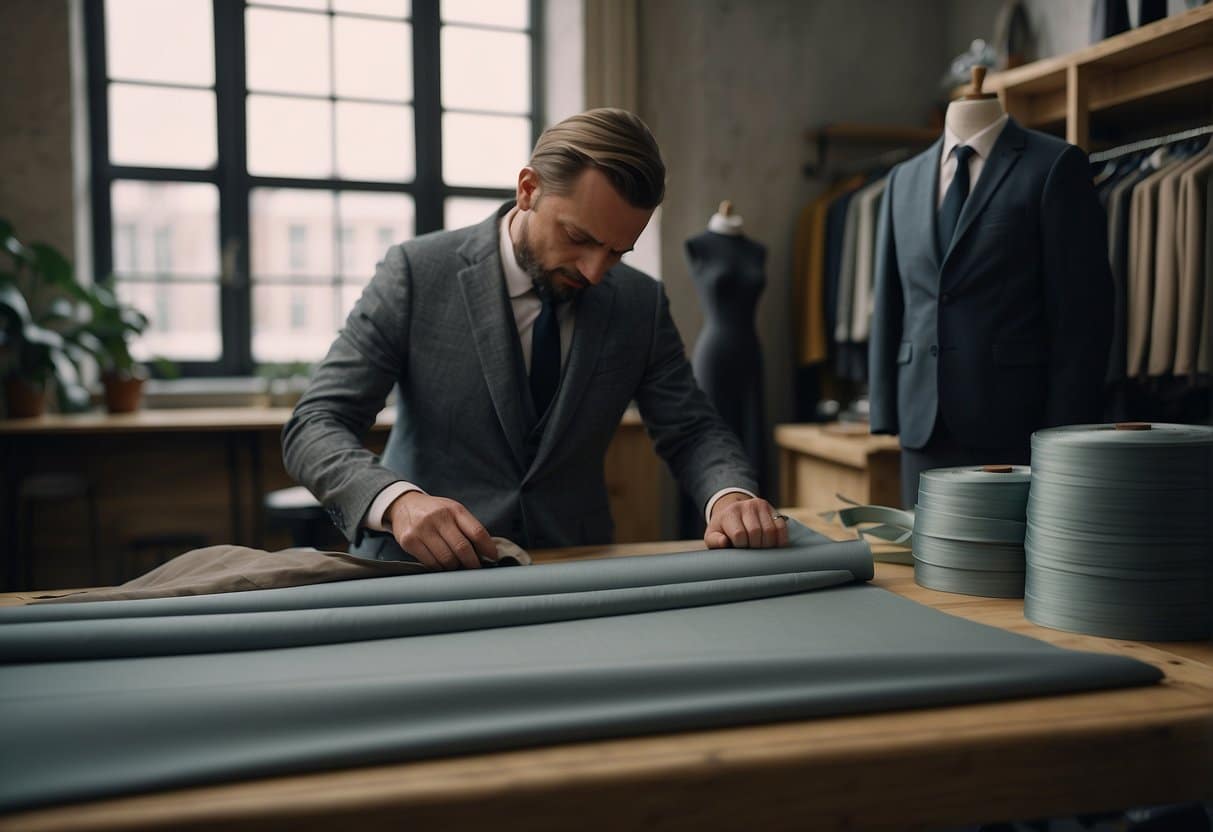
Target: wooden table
[
  {"x": 816, "y": 462},
  {"x": 204, "y": 473},
  {"x": 1049, "y": 756}
]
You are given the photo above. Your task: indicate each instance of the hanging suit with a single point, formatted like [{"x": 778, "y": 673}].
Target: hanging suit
[{"x": 1007, "y": 330}]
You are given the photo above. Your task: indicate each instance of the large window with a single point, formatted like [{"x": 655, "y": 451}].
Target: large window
[{"x": 252, "y": 161}]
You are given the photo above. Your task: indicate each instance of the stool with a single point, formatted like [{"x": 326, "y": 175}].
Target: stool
[
  {"x": 307, "y": 520},
  {"x": 40, "y": 491},
  {"x": 157, "y": 549}
]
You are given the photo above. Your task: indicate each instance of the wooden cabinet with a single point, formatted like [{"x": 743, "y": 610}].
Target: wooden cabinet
[
  {"x": 200, "y": 475},
  {"x": 817, "y": 462}
]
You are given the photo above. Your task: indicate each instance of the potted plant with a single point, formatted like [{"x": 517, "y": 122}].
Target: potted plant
[
  {"x": 111, "y": 323},
  {"x": 41, "y": 339}
]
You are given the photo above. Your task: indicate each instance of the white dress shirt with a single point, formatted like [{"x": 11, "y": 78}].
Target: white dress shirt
[
  {"x": 526, "y": 305},
  {"x": 982, "y": 143}
]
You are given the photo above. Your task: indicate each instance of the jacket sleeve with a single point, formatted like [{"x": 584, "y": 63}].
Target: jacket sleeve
[
  {"x": 887, "y": 315},
  {"x": 322, "y": 442},
  {"x": 1078, "y": 291},
  {"x": 700, "y": 449}
]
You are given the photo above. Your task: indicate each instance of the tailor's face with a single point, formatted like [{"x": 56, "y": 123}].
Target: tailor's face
[{"x": 568, "y": 242}]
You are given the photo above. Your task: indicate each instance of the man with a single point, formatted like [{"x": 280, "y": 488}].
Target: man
[{"x": 516, "y": 345}]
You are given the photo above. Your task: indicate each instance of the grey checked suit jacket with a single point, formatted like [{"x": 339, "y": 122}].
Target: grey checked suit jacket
[
  {"x": 1008, "y": 330},
  {"x": 436, "y": 321}
]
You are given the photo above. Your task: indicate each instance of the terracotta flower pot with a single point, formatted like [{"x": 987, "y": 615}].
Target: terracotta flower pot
[
  {"x": 25, "y": 399},
  {"x": 123, "y": 393}
]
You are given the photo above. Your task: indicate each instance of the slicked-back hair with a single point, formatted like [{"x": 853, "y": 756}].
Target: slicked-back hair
[{"x": 616, "y": 142}]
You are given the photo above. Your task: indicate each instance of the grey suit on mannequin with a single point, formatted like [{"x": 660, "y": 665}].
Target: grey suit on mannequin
[
  {"x": 435, "y": 321},
  {"x": 1007, "y": 330}
]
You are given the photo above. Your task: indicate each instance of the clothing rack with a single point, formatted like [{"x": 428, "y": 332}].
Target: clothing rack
[{"x": 1150, "y": 144}]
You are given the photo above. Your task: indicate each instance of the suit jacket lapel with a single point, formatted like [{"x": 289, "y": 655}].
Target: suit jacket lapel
[
  {"x": 593, "y": 314},
  {"x": 1003, "y": 157},
  {"x": 491, "y": 324},
  {"x": 924, "y": 179}
]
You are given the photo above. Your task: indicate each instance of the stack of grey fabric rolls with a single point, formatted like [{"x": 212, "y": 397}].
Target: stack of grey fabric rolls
[
  {"x": 1120, "y": 531},
  {"x": 969, "y": 530}
]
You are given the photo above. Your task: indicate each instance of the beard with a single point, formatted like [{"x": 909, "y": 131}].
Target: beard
[{"x": 544, "y": 280}]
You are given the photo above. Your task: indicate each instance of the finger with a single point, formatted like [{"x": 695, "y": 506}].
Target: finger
[
  {"x": 781, "y": 526},
  {"x": 475, "y": 532},
  {"x": 441, "y": 551},
  {"x": 460, "y": 546},
  {"x": 413, "y": 546},
  {"x": 770, "y": 535},
  {"x": 734, "y": 527},
  {"x": 716, "y": 540},
  {"x": 753, "y": 519}
]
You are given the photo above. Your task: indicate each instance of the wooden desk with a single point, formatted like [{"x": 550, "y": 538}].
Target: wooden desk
[
  {"x": 1048, "y": 756},
  {"x": 206, "y": 472},
  {"x": 818, "y": 461}
]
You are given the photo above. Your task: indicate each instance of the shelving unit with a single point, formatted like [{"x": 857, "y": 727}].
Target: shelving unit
[
  {"x": 855, "y": 133},
  {"x": 1132, "y": 82}
]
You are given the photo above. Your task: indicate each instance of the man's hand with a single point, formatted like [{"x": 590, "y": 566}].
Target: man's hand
[
  {"x": 440, "y": 533},
  {"x": 745, "y": 522}
]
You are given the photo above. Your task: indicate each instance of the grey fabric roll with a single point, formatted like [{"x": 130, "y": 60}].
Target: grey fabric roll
[
  {"x": 1120, "y": 536},
  {"x": 79, "y": 730},
  {"x": 969, "y": 530}
]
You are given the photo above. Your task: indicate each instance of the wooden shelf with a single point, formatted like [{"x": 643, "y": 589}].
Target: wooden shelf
[
  {"x": 873, "y": 133},
  {"x": 1166, "y": 63}
]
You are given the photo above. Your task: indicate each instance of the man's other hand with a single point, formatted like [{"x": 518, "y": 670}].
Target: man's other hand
[
  {"x": 440, "y": 533},
  {"x": 745, "y": 522}
]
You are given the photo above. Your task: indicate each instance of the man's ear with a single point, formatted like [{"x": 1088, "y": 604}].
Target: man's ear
[{"x": 528, "y": 188}]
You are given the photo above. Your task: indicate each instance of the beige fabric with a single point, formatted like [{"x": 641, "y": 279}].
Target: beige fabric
[
  {"x": 1165, "y": 309},
  {"x": 228, "y": 568},
  {"x": 1190, "y": 228},
  {"x": 1141, "y": 270}
]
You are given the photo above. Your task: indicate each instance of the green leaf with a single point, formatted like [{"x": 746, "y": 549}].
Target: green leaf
[
  {"x": 53, "y": 266},
  {"x": 12, "y": 299}
]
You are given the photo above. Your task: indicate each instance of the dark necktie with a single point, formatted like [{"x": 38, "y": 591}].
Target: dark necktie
[
  {"x": 545, "y": 355},
  {"x": 954, "y": 199}
]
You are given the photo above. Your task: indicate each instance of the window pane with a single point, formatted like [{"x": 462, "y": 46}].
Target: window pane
[
  {"x": 389, "y": 8},
  {"x": 184, "y": 323},
  {"x": 289, "y": 137},
  {"x": 460, "y": 211},
  {"x": 294, "y": 323},
  {"x": 374, "y": 59},
  {"x": 150, "y": 40},
  {"x": 509, "y": 13},
  {"x": 375, "y": 141},
  {"x": 350, "y": 292},
  {"x": 161, "y": 127},
  {"x": 291, "y": 233},
  {"x": 287, "y": 52},
  {"x": 165, "y": 229},
  {"x": 371, "y": 223},
  {"x": 484, "y": 150},
  {"x": 465, "y": 83}
]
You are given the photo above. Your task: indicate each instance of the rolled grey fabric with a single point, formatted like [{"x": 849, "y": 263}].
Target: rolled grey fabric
[
  {"x": 1120, "y": 531},
  {"x": 969, "y": 529}
]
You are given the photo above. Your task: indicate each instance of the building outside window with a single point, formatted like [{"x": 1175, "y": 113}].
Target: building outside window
[{"x": 252, "y": 132}]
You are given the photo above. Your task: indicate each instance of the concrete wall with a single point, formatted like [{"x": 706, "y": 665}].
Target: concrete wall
[
  {"x": 36, "y": 183},
  {"x": 729, "y": 88}
]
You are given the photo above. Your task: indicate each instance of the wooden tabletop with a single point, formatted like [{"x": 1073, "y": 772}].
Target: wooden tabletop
[
  {"x": 849, "y": 444},
  {"x": 207, "y": 419},
  {"x": 1029, "y": 758}
]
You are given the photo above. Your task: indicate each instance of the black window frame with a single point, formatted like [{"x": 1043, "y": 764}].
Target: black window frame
[{"x": 233, "y": 181}]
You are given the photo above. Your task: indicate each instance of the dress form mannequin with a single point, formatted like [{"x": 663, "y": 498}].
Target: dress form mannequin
[
  {"x": 728, "y": 271},
  {"x": 970, "y": 114}
]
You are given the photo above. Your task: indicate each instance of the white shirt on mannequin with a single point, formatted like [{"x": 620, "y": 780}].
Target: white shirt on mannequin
[{"x": 982, "y": 143}]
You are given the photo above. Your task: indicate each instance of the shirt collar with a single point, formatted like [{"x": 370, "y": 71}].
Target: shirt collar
[
  {"x": 517, "y": 283},
  {"x": 982, "y": 141}
]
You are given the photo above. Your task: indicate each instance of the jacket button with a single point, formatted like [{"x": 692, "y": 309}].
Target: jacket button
[
  {"x": 934, "y": 350},
  {"x": 945, "y": 298}
]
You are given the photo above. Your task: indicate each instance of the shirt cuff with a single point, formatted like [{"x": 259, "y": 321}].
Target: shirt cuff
[
  {"x": 374, "y": 519},
  {"x": 707, "y": 512}
]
